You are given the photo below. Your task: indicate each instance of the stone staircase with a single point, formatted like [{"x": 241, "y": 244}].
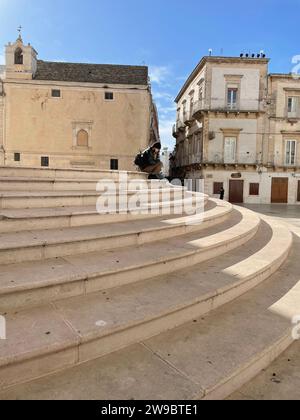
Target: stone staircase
[{"x": 135, "y": 306}]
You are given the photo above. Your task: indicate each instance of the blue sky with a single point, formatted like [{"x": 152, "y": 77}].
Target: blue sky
[{"x": 170, "y": 36}]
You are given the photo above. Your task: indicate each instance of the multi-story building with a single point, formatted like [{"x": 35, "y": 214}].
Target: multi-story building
[
  {"x": 165, "y": 158},
  {"x": 238, "y": 127},
  {"x": 73, "y": 115},
  {"x": 282, "y": 141}
]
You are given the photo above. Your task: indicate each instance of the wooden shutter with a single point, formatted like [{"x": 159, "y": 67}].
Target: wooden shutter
[
  {"x": 217, "y": 187},
  {"x": 254, "y": 189},
  {"x": 230, "y": 150}
]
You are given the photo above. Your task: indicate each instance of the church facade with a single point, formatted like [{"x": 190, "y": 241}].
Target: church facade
[{"x": 68, "y": 115}]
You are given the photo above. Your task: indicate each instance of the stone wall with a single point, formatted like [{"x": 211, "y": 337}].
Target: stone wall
[
  {"x": 38, "y": 124},
  {"x": 1, "y": 125}
]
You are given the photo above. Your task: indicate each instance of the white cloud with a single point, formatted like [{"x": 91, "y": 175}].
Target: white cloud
[
  {"x": 167, "y": 110},
  {"x": 165, "y": 129},
  {"x": 162, "y": 95},
  {"x": 2, "y": 59},
  {"x": 159, "y": 74}
]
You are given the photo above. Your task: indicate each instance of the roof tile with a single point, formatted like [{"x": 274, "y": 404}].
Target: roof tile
[{"x": 92, "y": 73}]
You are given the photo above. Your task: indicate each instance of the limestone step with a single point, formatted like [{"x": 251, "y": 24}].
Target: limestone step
[
  {"x": 54, "y": 184},
  {"x": 30, "y": 283},
  {"x": 60, "y": 173},
  {"x": 76, "y": 330},
  {"x": 18, "y": 220},
  {"x": 44, "y": 199},
  {"x": 279, "y": 382},
  {"x": 40, "y": 244}
]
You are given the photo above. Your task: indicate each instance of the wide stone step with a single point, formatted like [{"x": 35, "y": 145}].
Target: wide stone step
[
  {"x": 58, "y": 173},
  {"x": 77, "y": 330},
  {"x": 41, "y": 244},
  {"x": 279, "y": 382},
  {"x": 17, "y": 220},
  {"x": 56, "y": 184},
  {"x": 26, "y": 284},
  {"x": 45, "y": 199}
]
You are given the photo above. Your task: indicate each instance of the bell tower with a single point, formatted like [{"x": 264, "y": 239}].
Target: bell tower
[{"x": 21, "y": 60}]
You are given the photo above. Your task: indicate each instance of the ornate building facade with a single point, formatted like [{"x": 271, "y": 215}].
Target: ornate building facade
[{"x": 238, "y": 128}]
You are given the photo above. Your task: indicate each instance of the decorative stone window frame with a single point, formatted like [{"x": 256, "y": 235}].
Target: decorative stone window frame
[
  {"x": 292, "y": 93},
  {"x": 293, "y": 136},
  {"x": 291, "y": 140},
  {"x": 232, "y": 132},
  {"x": 201, "y": 86},
  {"x": 77, "y": 126},
  {"x": 184, "y": 109},
  {"x": 233, "y": 81},
  {"x": 191, "y": 102}
]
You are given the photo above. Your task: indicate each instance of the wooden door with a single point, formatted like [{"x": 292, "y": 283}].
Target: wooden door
[
  {"x": 280, "y": 190},
  {"x": 236, "y": 191}
]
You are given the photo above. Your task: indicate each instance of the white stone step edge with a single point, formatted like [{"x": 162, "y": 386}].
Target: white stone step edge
[
  {"x": 36, "y": 250},
  {"x": 250, "y": 370},
  {"x": 10, "y": 201},
  {"x": 52, "y": 185},
  {"x": 61, "y": 173},
  {"x": 73, "y": 218},
  {"x": 32, "y": 294},
  {"x": 43, "y": 249},
  {"x": 11, "y": 193},
  {"x": 98, "y": 345},
  {"x": 248, "y": 273}
]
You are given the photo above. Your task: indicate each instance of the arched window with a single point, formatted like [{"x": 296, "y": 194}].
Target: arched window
[
  {"x": 82, "y": 139},
  {"x": 18, "y": 56}
]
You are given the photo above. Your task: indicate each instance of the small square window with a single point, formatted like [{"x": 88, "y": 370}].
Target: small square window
[
  {"x": 109, "y": 96},
  {"x": 17, "y": 157},
  {"x": 114, "y": 164},
  {"x": 254, "y": 189},
  {"x": 56, "y": 93},
  {"x": 45, "y": 161}
]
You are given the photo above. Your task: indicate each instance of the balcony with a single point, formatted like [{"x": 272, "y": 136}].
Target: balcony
[
  {"x": 177, "y": 128},
  {"x": 188, "y": 118},
  {"x": 293, "y": 116},
  {"x": 201, "y": 107}
]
